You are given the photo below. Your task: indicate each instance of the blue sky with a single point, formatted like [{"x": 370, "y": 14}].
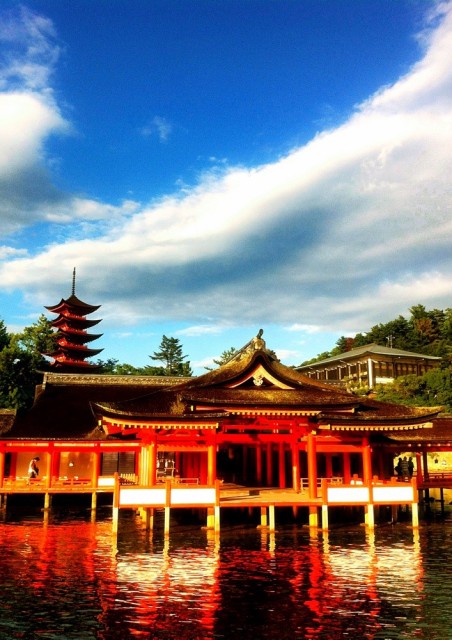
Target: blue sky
[{"x": 211, "y": 168}]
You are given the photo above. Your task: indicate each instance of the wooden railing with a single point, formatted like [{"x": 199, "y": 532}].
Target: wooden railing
[
  {"x": 177, "y": 480},
  {"x": 438, "y": 480},
  {"x": 22, "y": 484},
  {"x": 304, "y": 482}
]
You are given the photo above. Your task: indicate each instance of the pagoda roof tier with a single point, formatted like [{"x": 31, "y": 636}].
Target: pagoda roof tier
[
  {"x": 69, "y": 348},
  {"x": 74, "y": 321},
  {"x": 77, "y": 336},
  {"x": 74, "y": 366},
  {"x": 74, "y": 305},
  {"x": 255, "y": 383}
]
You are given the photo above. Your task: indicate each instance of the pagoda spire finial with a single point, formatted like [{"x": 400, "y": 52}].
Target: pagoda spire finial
[{"x": 73, "y": 282}]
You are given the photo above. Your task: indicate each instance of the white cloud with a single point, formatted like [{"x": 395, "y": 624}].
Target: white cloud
[
  {"x": 29, "y": 114},
  {"x": 32, "y": 51},
  {"x": 304, "y": 328},
  {"x": 159, "y": 126},
  {"x": 199, "y": 330},
  {"x": 203, "y": 364},
  {"x": 350, "y": 227},
  {"x": 11, "y": 252},
  {"x": 288, "y": 355},
  {"x": 25, "y": 121}
]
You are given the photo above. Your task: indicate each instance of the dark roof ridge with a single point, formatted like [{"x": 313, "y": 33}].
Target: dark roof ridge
[{"x": 372, "y": 347}]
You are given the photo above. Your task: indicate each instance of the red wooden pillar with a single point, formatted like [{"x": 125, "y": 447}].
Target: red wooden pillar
[
  {"x": 425, "y": 465},
  {"x": 367, "y": 461},
  {"x": 55, "y": 465},
  {"x": 2, "y": 467},
  {"x": 347, "y": 467},
  {"x": 95, "y": 468},
  {"x": 281, "y": 466},
  {"x": 269, "y": 464},
  {"x": 381, "y": 464},
  {"x": 259, "y": 464},
  {"x": 312, "y": 465},
  {"x": 211, "y": 464},
  {"x": 295, "y": 466},
  {"x": 329, "y": 464},
  {"x": 245, "y": 463},
  {"x": 151, "y": 451},
  {"x": 419, "y": 477},
  {"x": 48, "y": 468}
]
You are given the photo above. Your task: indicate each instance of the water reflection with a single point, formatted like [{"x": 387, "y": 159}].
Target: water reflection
[{"x": 64, "y": 580}]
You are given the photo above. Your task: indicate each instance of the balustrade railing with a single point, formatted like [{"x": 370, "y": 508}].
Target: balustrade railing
[{"x": 63, "y": 483}]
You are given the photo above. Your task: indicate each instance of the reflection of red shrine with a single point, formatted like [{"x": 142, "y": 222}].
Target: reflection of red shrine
[
  {"x": 72, "y": 336},
  {"x": 251, "y": 423}
]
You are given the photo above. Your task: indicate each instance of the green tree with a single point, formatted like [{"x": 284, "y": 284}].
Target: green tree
[
  {"x": 38, "y": 339},
  {"x": 21, "y": 360},
  {"x": 446, "y": 329},
  {"x": 107, "y": 366},
  {"x": 226, "y": 355},
  {"x": 171, "y": 355},
  {"x": 438, "y": 387},
  {"x": 125, "y": 369},
  {"x": 4, "y": 336},
  {"x": 113, "y": 367},
  {"x": 130, "y": 370},
  {"x": 149, "y": 370},
  {"x": 18, "y": 376},
  {"x": 432, "y": 389},
  {"x": 322, "y": 356},
  {"x": 343, "y": 345}
]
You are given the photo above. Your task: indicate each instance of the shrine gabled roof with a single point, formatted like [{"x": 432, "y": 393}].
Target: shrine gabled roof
[
  {"x": 268, "y": 397},
  {"x": 255, "y": 381},
  {"x": 7, "y": 417},
  {"x": 253, "y": 365}
]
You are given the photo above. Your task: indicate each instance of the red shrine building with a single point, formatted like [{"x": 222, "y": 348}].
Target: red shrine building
[
  {"x": 252, "y": 422},
  {"x": 257, "y": 422}
]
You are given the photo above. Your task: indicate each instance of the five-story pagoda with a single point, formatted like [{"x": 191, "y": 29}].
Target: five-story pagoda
[{"x": 72, "y": 336}]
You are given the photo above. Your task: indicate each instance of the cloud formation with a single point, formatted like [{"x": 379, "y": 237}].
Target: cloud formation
[
  {"x": 159, "y": 126},
  {"x": 29, "y": 114},
  {"x": 347, "y": 230}
]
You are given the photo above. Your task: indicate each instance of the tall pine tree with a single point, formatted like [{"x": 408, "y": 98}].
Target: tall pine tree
[{"x": 171, "y": 355}]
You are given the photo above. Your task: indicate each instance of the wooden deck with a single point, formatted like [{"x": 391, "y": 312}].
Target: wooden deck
[
  {"x": 189, "y": 494},
  {"x": 236, "y": 496},
  {"x": 231, "y": 495}
]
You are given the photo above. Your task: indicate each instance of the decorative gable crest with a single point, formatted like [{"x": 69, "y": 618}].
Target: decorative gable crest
[{"x": 259, "y": 376}]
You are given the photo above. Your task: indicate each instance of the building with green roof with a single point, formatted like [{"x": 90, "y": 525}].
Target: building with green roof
[{"x": 369, "y": 365}]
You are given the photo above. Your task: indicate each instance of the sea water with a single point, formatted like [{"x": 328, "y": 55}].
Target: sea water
[{"x": 69, "y": 577}]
